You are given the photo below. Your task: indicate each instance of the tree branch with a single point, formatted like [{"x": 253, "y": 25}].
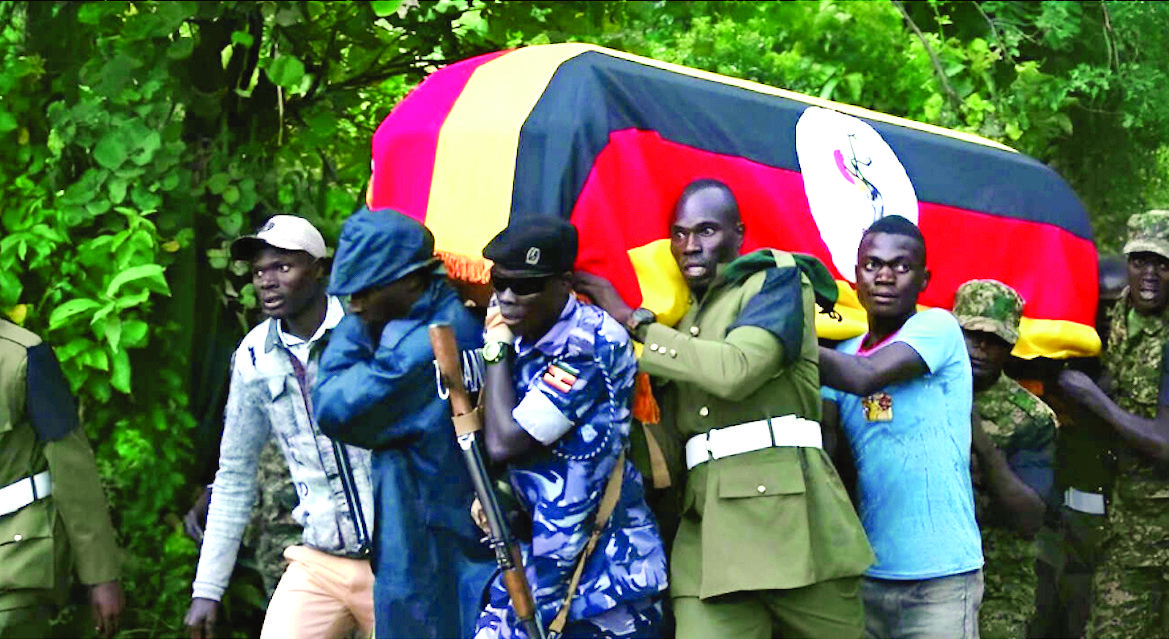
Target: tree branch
[
  {"x": 1113, "y": 52},
  {"x": 955, "y": 101},
  {"x": 995, "y": 32}
]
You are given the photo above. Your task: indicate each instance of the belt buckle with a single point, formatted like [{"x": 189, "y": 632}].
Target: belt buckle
[{"x": 712, "y": 447}]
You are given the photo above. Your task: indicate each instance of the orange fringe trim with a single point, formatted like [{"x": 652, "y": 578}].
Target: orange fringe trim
[
  {"x": 1033, "y": 385},
  {"x": 645, "y": 407},
  {"x": 473, "y": 270}
]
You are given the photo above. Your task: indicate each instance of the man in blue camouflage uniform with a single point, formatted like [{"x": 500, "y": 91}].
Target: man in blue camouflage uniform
[
  {"x": 1132, "y": 583},
  {"x": 557, "y": 411}
]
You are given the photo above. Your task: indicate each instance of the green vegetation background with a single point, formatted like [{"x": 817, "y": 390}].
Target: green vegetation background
[{"x": 138, "y": 138}]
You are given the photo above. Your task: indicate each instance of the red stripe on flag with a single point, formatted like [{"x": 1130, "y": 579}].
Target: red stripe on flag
[
  {"x": 1052, "y": 269},
  {"x": 401, "y": 178},
  {"x": 628, "y": 200}
]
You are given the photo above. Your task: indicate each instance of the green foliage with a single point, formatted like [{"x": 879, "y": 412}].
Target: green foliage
[{"x": 136, "y": 140}]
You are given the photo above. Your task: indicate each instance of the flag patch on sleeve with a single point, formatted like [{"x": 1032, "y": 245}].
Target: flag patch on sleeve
[{"x": 560, "y": 376}]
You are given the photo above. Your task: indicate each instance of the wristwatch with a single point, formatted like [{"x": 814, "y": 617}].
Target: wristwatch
[
  {"x": 639, "y": 319},
  {"x": 494, "y": 351}
]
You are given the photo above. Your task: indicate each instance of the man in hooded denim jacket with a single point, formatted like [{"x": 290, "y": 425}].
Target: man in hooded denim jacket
[{"x": 376, "y": 389}]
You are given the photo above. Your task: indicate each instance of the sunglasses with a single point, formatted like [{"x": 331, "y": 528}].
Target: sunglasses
[{"x": 518, "y": 285}]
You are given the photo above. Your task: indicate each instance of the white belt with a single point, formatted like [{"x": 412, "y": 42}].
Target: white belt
[
  {"x": 788, "y": 430},
  {"x": 24, "y": 491},
  {"x": 1090, "y": 503}
]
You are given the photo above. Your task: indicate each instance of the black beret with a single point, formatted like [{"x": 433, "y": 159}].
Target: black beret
[{"x": 534, "y": 246}]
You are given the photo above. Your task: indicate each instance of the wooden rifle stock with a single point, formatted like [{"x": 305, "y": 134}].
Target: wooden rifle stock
[{"x": 468, "y": 425}]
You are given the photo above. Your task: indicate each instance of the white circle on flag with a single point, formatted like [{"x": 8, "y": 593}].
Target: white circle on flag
[{"x": 852, "y": 179}]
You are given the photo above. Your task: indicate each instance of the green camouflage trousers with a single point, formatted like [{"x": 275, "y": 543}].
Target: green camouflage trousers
[
  {"x": 1068, "y": 556},
  {"x": 272, "y": 528},
  {"x": 1130, "y": 602},
  {"x": 1132, "y": 582},
  {"x": 1009, "y": 576}
]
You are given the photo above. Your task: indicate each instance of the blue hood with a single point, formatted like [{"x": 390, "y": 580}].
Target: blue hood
[{"x": 378, "y": 247}]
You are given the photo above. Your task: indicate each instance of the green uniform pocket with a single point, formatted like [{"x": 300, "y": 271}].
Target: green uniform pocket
[
  {"x": 743, "y": 478},
  {"x": 26, "y": 548}
]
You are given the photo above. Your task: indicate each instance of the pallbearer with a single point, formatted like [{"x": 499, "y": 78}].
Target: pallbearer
[{"x": 559, "y": 379}]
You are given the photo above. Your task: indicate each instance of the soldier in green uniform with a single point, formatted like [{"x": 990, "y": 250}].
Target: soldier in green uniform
[
  {"x": 1013, "y": 443},
  {"x": 1068, "y": 546},
  {"x": 769, "y": 544},
  {"x": 53, "y": 515},
  {"x": 272, "y": 527},
  {"x": 1133, "y": 397}
]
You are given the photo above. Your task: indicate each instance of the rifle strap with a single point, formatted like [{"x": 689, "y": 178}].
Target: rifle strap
[
  {"x": 660, "y": 470},
  {"x": 469, "y": 422},
  {"x": 604, "y": 511}
]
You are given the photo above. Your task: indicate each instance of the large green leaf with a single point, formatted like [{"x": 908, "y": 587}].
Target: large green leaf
[
  {"x": 151, "y": 274},
  {"x": 286, "y": 71},
  {"x": 216, "y": 183},
  {"x": 7, "y": 121},
  {"x": 72, "y": 349},
  {"x": 95, "y": 357},
  {"x": 70, "y": 309},
  {"x": 134, "y": 333},
  {"x": 113, "y": 332},
  {"x": 383, "y": 8},
  {"x": 111, "y": 151},
  {"x": 117, "y": 187},
  {"x": 147, "y": 146},
  {"x": 120, "y": 375},
  {"x": 10, "y": 288}
]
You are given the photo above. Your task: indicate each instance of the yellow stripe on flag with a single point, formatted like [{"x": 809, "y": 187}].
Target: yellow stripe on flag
[
  {"x": 474, "y": 164},
  {"x": 664, "y": 291},
  {"x": 1054, "y": 339}
]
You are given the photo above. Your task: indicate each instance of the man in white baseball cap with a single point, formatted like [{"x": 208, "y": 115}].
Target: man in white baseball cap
[{"x": 326, "y": 591}]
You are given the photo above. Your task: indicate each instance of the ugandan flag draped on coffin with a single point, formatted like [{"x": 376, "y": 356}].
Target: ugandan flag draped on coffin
[{"x": 608, "y": 140}]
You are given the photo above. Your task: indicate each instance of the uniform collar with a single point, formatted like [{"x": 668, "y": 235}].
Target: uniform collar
[{"x": 333, "y": 314}]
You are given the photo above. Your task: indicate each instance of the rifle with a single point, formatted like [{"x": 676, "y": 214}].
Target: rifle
[{"x": 468, "y": 424}]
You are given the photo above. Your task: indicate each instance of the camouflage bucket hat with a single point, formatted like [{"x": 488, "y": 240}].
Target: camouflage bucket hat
[
  {"x": 1148, "y": 233},
  {"x": 990, "y": 306}
]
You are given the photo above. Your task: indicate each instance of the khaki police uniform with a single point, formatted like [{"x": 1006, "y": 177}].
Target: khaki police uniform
[
  {"x": 44, "y": 537},
  {"x": 768, "y": 541}
]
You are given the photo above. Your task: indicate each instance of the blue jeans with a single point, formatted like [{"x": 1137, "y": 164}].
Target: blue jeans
[{"x": 940, "y": 608}]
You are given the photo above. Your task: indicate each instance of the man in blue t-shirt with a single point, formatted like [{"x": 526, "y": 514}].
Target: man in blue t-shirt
[{"x": 903, "y": 393}]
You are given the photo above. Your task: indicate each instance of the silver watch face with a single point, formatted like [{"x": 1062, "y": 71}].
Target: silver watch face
[{"x": 492, "y": 352}]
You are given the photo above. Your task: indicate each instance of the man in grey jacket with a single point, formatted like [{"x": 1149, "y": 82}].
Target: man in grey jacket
[{"x": 327, "y": 589}]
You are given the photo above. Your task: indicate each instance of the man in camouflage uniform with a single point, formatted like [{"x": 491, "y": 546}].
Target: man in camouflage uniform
[
  {"x": 1068, "y": 547},
  {"x": 1131, "y": 587},
  {"x": 1013, "y": 443}
]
